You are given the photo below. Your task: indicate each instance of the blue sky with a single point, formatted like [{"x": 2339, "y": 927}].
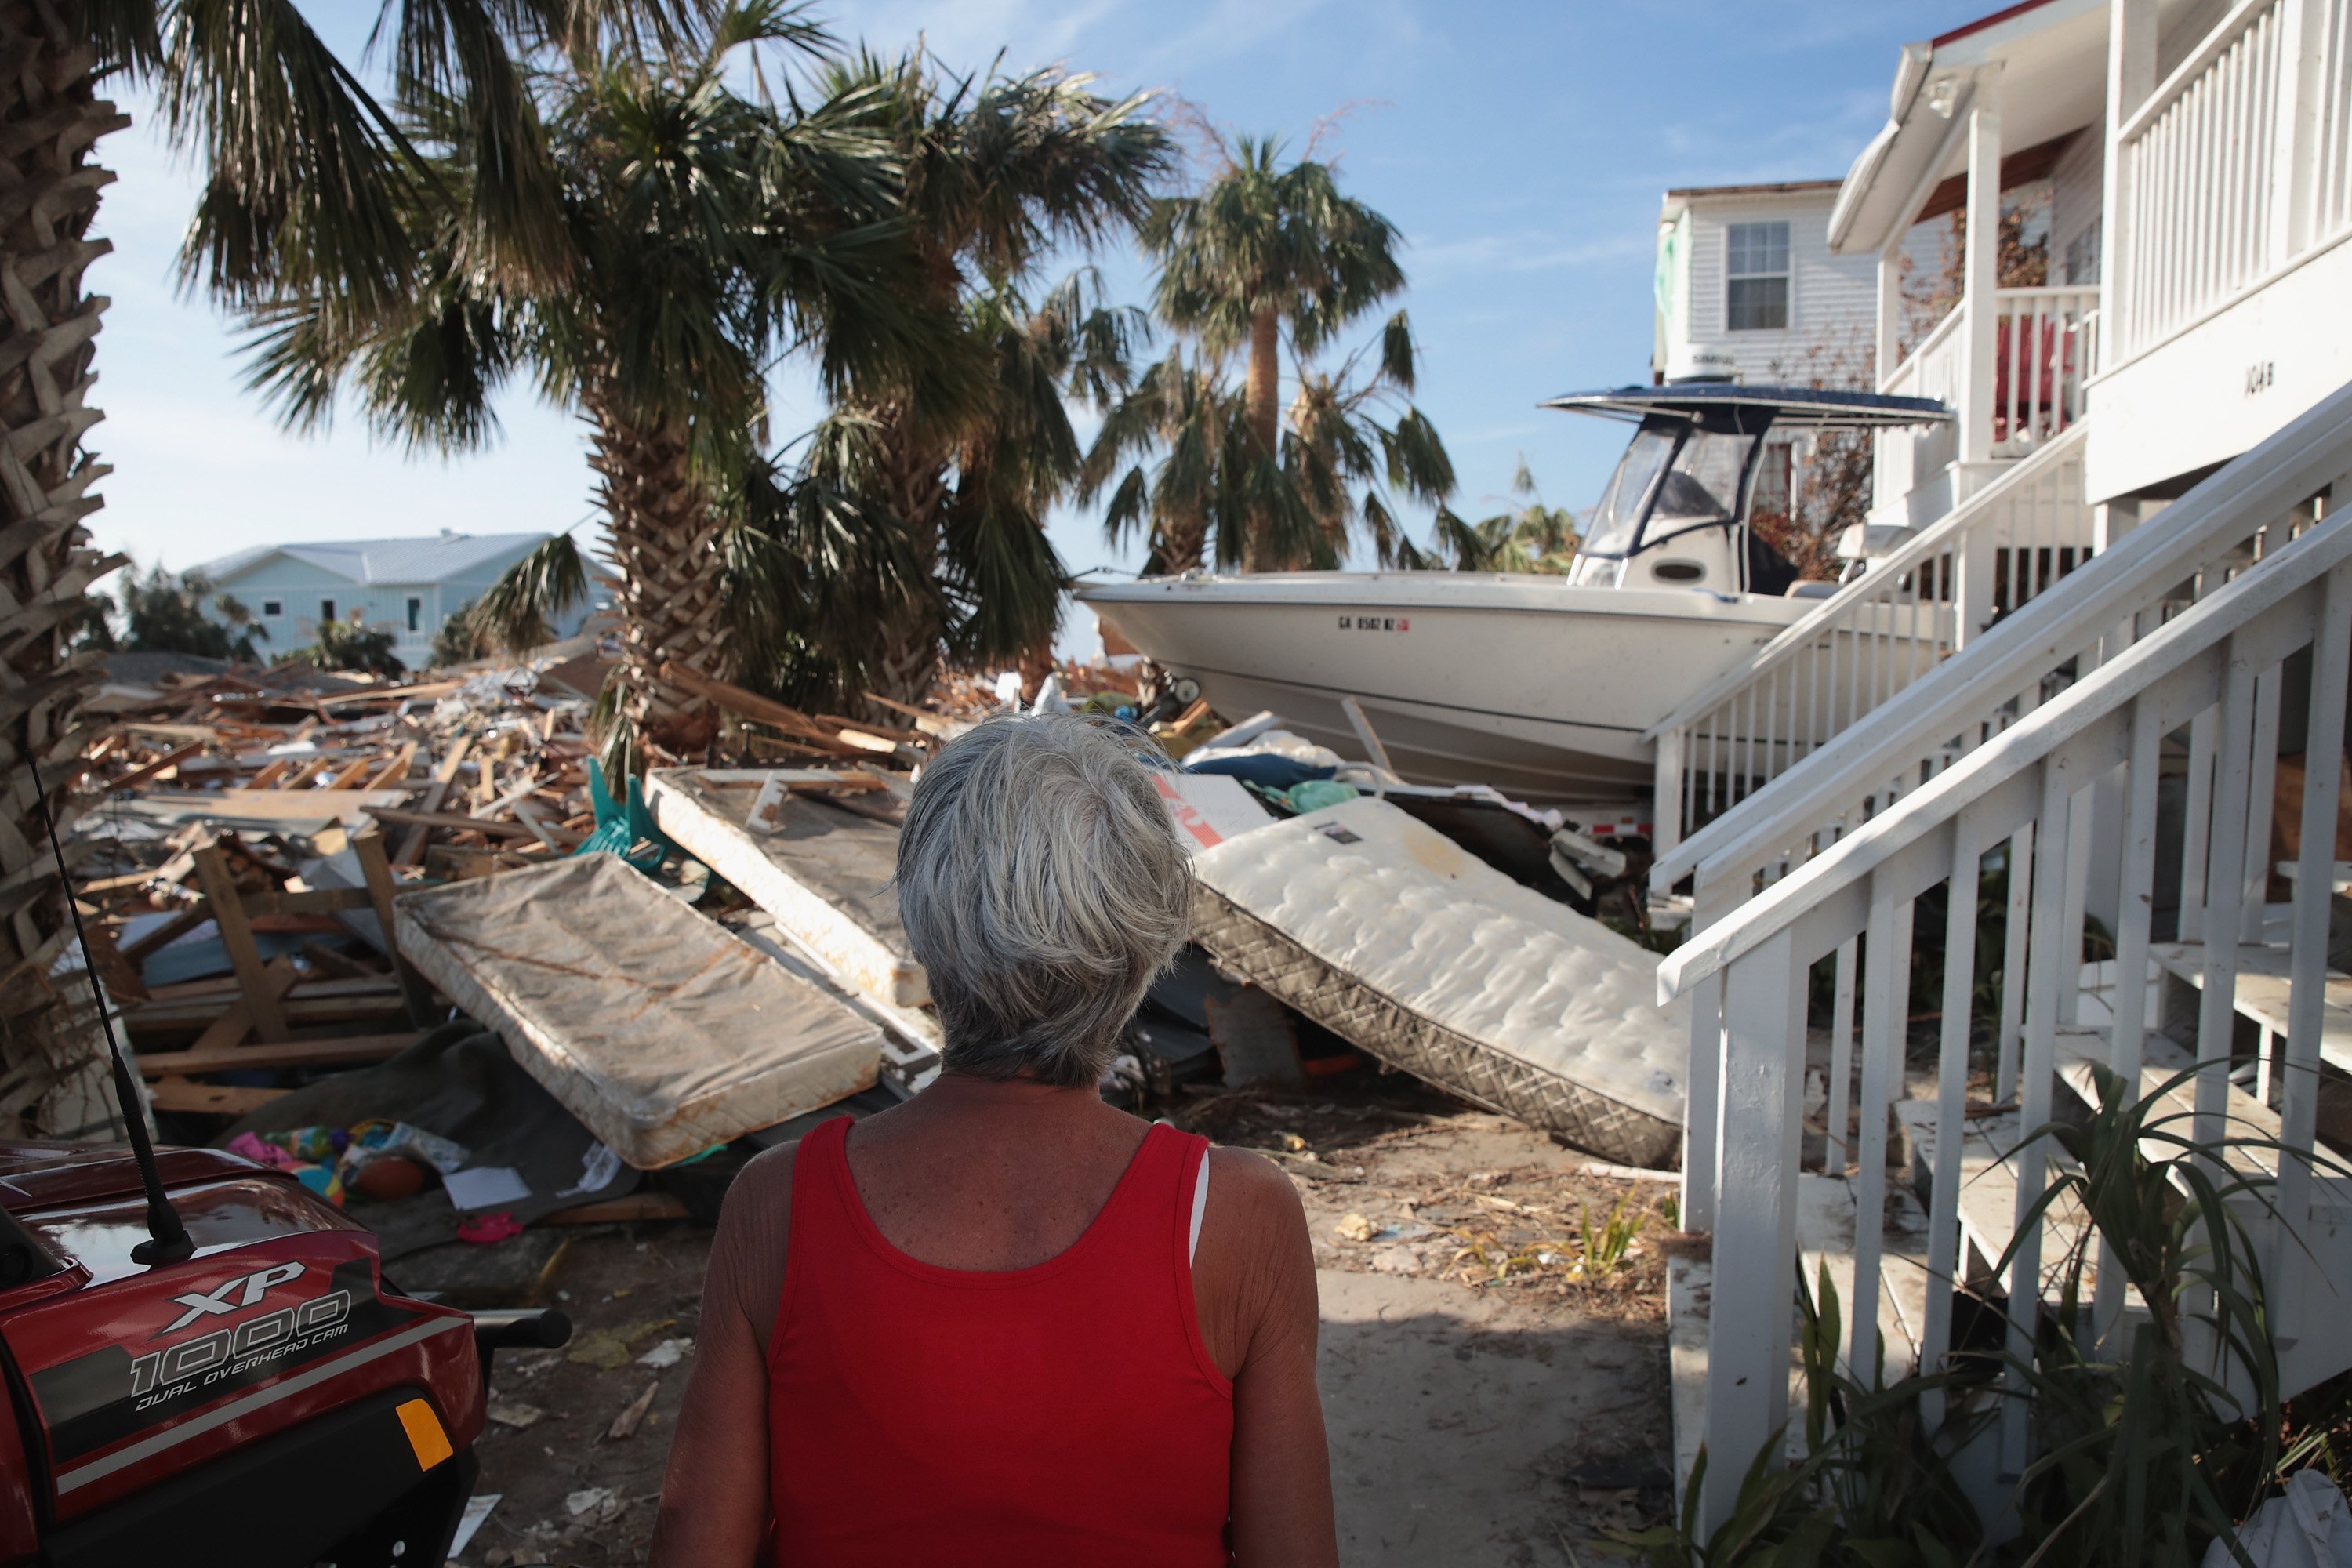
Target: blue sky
[{"x": 1521, "y": 148}]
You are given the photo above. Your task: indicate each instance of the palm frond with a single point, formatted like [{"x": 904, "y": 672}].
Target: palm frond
[{"x": 514, "y": 615}]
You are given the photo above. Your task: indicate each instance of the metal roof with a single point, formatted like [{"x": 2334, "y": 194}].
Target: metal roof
[
  {"x": 429, "y": 558},
  {"x": 1809, "y": 407}
]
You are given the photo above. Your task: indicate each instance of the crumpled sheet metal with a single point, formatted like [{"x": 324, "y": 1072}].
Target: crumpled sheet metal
[
  {"x": 823, "y": 873},
  {"x": 1413, "y": 950},
  {"x": 661, "y": 1030}
]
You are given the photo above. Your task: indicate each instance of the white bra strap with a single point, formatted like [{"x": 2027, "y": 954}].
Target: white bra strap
[{"x": 1200, "y": 1206}]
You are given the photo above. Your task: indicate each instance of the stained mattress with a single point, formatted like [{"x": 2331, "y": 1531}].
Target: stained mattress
[
  {"x": 1390, "y": 935},
  {"x": 658, "y": 1028},
  {"x": 823, "y": 873}
]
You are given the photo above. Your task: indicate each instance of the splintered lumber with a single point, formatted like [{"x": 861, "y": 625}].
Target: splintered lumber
[
  {"x": 412, "y": 844},
  {"x": 171, "y": 759},
  {"x": 450, "y": 819},
  {"x": 824, "y": 876},
  {"x": 658, "y": 1028},
  {"x": 765, "y": 710},
  {"x": 226, "y": 906},
  {"x": 937, "y": 726},
  {"x": 244, "y": 1013}
]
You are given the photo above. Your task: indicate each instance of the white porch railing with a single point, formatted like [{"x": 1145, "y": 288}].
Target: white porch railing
[
  {"x": 2043, "y": 342},
  {"x": 2234, "y": 521},
  {"x": 2238, "y": 162},
  {"x": 2043, "y": 339},
  {"x": 1871, "y": 640},
  {"x": 2215, "y": 668}
]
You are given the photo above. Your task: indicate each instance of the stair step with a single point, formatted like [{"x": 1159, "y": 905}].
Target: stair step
[
  {"x": 2264, "y": 990},
  {"x": 1826, "y": 1222},
  {"x": 1825, "y": 1228},
  {"x": 1988, "y": 1198},
  {"x": 2244, "y": 1116}
]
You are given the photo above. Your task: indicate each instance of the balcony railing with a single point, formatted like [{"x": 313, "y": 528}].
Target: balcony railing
[
  {"x": 2042, "y": 345},
  {"x": 2237, "y": 165}
]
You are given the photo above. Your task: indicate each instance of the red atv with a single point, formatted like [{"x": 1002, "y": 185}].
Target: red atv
[{"x": 227, "y": 1378}]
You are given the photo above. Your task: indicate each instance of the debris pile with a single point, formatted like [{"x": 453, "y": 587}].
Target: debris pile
[{"x": 405, "y": 939}]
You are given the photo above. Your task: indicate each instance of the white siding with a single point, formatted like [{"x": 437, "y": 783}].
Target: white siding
[
  {"x": 2075, "y": 192},
  {"x": 1833, "y": 299}
]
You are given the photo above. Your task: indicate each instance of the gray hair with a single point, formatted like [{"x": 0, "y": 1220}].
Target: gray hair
[{"x": 1044, "y": 888}]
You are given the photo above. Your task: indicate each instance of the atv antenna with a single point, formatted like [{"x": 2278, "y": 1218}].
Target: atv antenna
[{"x": 167, "y": 1239}]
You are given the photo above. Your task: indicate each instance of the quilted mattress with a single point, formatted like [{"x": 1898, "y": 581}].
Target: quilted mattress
[
  {"x": 1389, "y": 934},
  {"x": 823, "y": 873},
  {"x": 658, "y": 1028}
]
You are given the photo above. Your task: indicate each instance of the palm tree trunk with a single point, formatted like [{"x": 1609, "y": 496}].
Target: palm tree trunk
[
  {"x": 908, "y": 646},
  {"x": 1264, "y": 390},
  {"x": 51, "y": 1065},
  {"x": 666, "y": 550}
]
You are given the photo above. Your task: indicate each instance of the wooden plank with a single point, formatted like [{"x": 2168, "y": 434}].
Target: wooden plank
[
  {"x": 170, "y": 931},
  {"x": 226, "y": 986},
  {"x": 411, "y": 843},
  {"x": 240, "y": 1018},
  {"x": 763, "y": 709},
  {"x": 177, "y": 1018},
  {"x": 449, "y": 819},
  {"x": 174, "y": 758},
  {"x": 422, "y": 690},
  {"x": 227, "y": 910},
  {"x": 368, "y": 847},
  {"x": 630, "y": 1207},
  {"x": 211, "y": 1099},
  {"x": 351, "y": 1050},
  {"x": 393, "y": 771},
  {"x": 171, "y": 871}
]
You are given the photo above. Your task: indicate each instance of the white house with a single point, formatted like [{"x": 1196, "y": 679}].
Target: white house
[
  {"x": 405, "y": 586},
  {"x": 2105, "y": 634},
  {"x": 1747, "y": 283}
]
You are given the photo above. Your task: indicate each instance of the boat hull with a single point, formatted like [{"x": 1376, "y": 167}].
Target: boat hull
[{"x": 1538, "y": 686}]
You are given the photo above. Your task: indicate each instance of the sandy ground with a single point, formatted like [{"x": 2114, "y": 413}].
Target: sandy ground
[{"x": 1489, "y": 1400}]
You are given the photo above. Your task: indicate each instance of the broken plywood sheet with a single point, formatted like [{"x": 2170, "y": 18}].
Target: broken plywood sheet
[
  {"x": 823, "y": 873},
  {"x": 1406, "y": 945},
  {"x": 661, "y": 1030}
]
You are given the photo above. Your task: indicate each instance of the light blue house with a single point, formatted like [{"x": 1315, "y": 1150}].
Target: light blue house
[{"x": 405, "y": 586}]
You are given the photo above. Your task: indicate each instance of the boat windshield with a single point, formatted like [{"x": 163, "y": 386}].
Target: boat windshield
[
  {"x": 1617, "y": 520},
  {"x": 1703, "y": 486}
]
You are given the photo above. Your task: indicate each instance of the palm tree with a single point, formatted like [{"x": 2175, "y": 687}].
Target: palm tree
[
  {"x": 1259, "y": 248},
  {"x": 1218, "y": 493},
  {"x": 305, "y": 180},
  {"x": 1530, "y": 537},
  {"x": 705, "y": 234},
  {"x": 963, "y": 460}
]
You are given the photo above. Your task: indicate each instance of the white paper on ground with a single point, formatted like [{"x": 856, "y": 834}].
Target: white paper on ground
[
  {"x": 477, "y": 1509},
  {"x": 1210, "y": 808},
  {"x": 598, "y": 1169},
  {"x": 485, "y": 1186}
]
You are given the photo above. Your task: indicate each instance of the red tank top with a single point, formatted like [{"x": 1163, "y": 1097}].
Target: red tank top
[{"x": 1064, "y": 1413}]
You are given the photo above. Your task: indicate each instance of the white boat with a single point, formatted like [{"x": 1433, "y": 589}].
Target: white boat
[{"x": 1540, "y": 686}]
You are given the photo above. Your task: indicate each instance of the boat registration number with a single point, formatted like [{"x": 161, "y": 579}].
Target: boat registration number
[{"x": 1376, "y": 623}]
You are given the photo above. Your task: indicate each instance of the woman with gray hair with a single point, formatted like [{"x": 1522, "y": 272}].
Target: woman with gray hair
[{"x": 1004, "y": 1322}]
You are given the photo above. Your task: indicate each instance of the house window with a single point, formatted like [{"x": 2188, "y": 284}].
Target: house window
[
  {"x": 271, "y": 608},
  {"x": 326, "y": 609},
  {"x": 1768, "y": 505},
  {"x": 416, "y": 614},
  {"x": 1755, "y": 272}
]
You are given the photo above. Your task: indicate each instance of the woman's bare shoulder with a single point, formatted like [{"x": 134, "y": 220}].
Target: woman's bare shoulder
[
  {"x": 764, "y": 1182},
  {"x": 1255, "y": 1191}
]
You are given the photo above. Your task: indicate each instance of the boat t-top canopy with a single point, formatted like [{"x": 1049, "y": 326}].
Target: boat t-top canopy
[{"x": 1810, "y": 408}]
